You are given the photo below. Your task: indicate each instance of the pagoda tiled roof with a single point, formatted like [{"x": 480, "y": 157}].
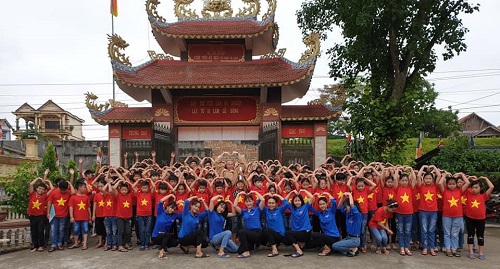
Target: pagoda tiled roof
[
  {"x": 123, "y": 115},
  {"x": 181, "y": 75},
  {"x": 308, "y": 112}
]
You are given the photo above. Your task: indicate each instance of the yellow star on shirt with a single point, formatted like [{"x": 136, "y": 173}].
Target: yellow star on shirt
[
  {"x": 126, "y": 204},
  {"x": 306, "y": 199},
  {"x": 370, "y": 196},
  {"x": 144, "y": 202},
  {"x": 109, "y": 203},
  {"x": 475, "y": 204},
  {"x": 180, "y": 203},
  {"x": 101, "y": 203},
  {"x": 391, "y": 196},
  {"x": 240, "y": 199},
  {"x": 340, "y": 194},
  {"x": 439, "y": 196},
  {"x": 464, "y": 200},
  {"x": 405, "y": 198},
  {"x": 61, "y": 202},
  {"x": 428, "y": 196},
  {"x": 81, "y": 205},
  {"x": 361, "y": 199},
  {"x": 90, "y": 187},
  {"x": 417, "y": 196},
  {"x": 36, "y": 204},
  {"x": 453, "y": 202}
]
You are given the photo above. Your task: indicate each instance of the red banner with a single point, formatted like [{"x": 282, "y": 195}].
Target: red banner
[
  {"x": 297, "y": 131},
  {"x": 216, "y": 53},
  {"x": 217, "y": 110},
  {"x": 114, "y": 131},
  {"x": 136, "y": 133}
]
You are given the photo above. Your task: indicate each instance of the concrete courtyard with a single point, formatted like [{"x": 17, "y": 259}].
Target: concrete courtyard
[{"x": 97, "y": 258}]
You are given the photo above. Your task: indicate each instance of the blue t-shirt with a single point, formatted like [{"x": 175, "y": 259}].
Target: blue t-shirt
[
  {"x": 300, "y": 217},
  {"x": 216, "y": 223},
  {"x": 164, "y": 221},
  {"x": 252, "y": 218},
  {"x": 353, "y": 220},
  {"x": 189, "y": 220},
  {"x": 274, "y": 218},
  {"x": 327, "y": 219}
]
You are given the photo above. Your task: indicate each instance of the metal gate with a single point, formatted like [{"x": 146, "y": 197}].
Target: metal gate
[
  {"x": 163, "y": 143},
  {"x": 268, "y": 142},
  {"x": 142, "y": 147},
  {"x": 297, "y": 150}
]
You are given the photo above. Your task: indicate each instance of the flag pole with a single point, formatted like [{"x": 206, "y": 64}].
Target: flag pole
[{"x": 112, "y": 33}]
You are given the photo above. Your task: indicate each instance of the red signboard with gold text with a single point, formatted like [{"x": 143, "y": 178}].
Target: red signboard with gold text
[
  {"x": 136, "y": 133},
  {"x": 216, "y": 53},
  {"x": 297, "y": 131},
  {"x": 216, "y": 110}
]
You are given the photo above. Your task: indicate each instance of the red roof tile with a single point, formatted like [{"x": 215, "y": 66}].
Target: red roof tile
[
  {"x": 126, "y": 114},
  {"x": 212, "y": 29},
  {"x": 176, "y": 74},
  {"x": 307, "y": 112}
]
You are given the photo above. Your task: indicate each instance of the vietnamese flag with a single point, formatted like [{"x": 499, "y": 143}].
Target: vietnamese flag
[{"x": 114, "y": 8}]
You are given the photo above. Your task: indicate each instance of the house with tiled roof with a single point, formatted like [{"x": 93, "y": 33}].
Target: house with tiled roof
[
  {"x": 476, "y": 126},
  {"x": 219, "y": 85}
]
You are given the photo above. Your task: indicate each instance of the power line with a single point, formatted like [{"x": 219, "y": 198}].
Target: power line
[{"x": 463, "y": 103}]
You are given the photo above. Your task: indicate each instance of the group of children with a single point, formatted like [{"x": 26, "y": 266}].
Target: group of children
[{"x": 220, "y": 202}]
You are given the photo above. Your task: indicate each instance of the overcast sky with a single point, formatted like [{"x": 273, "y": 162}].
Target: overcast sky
[{"x": 57, "y": 50}]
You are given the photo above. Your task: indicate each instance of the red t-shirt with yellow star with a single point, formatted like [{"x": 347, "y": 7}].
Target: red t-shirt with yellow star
[
  {"x": 362, "y": 198},
  {"x": 372, "y": 198},
  {"x": 80, "y": 205},
  {"x": 109, "y": 209},
  {"x": 416, "y": 198},
  {"x": 124, "y": 205},
  {"x": 60, "y": 202},
  {"x": 99, "y": 202},
  {"x": 476, "y": 209},
  {"x": 338, "y": 191},
  {"x": 428, "y": 198},
  {"x": 379, "y": 216},
  {"x": 144, "y": 204},
  {"x": 202, "y": 196},
  {"x": 404, "y": 197},
  {"x": 452, "y": 203},
  {"x": 37, "y": 205},
  {"x": 388, "y": 193},
  {"x": 179, "y": 199}
]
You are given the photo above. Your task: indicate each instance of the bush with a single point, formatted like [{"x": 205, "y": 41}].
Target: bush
[{"x": 17, "y": 187}]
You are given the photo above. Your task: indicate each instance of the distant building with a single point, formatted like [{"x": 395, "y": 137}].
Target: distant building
[
  {"x": 51, "y": 121},
  {"x": 5, "y": 130},
  {"x": 476, "y": 126}
]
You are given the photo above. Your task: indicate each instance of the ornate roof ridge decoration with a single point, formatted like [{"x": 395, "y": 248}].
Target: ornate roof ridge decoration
[
  {"x": 313, "y": 43},
  {"x": 151, "y": 6},
  {"x": 115, "y": 45},
  {"x": 215, "y": 10},
  {"x": 277, "y": 54},
  {"x": 159, "y": 56},
  {"x": 100, "y": 110}
]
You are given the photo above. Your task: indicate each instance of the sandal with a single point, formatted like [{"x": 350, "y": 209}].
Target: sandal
[
  {"x": 52, "y": 249},
  {"x": 274, "y": 254},
  {"x": 84, "y": 248},
  {"x": 98, "y": 246},
  {"x": 223, "y": 256},
  {"x": 123, "y": 250},
  {"x": 433, "y": 253},
  {"x": 408, "y": 252},
  {"x": 386, "y": 252},
  {"x": 449, "y": 254},
  {"x": 379, "y": 251},
  {"x": 322, "y": 254},
  {"x": 424, "y": 252},
  {"x": 72, "y": 247},
  {"x": 471, "y": 256},
  {"x": 161, "y": 257},
  {"x": 402, "y": 253},
  {"x": 107, "y": 248},
  {"x": 456, "y": 254},
  {"x": 203, "y": 255},
  {"x": 481, "y": 257},
  {"x": 186, "y": 251},
  {"x": 296, "y": 255},
  {"x": 60, "y": 248}
]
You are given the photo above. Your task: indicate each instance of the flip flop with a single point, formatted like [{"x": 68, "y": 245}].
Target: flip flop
[
  {"x": 471, "y": 256},
  {"x": 324, "y": 254},
  {"x": 84, "y": 248},
  {"x": 72, "y": 247},
  {"x": 186, "y": 251},
  {"x": 52, "y": 249},
  {"x": 296, "y": 255},
  {"x": 161, "y": 257},
  {"x": 241, "y": 256},
  {"x": 272, "y": 254},
  {"x": 202, "y": 256},
  {"x": 223, "y": 256},
  {"x": 123, "y": 250}
]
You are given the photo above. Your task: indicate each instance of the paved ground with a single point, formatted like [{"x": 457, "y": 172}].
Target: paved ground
[{"x": 93, "y": 258}]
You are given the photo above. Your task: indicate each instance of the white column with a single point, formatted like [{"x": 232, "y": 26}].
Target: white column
[
  {"x": 320, "y": 149},
  {"x": 115, "y": 151}
]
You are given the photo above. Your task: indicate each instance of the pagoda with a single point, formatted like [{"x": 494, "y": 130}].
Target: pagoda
[{"x": 218, "y": 86}]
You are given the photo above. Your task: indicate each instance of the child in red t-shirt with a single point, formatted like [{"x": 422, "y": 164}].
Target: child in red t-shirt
[
  {"x": 476, "y": 215},
  {"x": 57, "y": 212},
  {"x": 428, "y": 207},
  {"x": 37, "y": 211},
  {"x": 109, "y": 214},
  {"x": 79, "y": 214},
  {"x": 144, "y": 211},
  {"x": 404, "y": 184},
  {"x": 123, "y": 214},
  {"x": 97, "y": 213},
  {"x": 379, "y": 227}
]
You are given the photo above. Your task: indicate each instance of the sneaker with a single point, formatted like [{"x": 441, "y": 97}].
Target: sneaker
[{"x": 350, "y": 254}]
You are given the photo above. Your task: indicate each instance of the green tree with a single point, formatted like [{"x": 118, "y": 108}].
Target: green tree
[
  {"x": 391, "y": 45},
  {"x": 49, "y": 162},
  {"x": 438, "y": 122},
  {"x": 17, "y": 186}
]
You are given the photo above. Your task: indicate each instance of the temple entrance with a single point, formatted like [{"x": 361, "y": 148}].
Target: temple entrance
[
  {"x": 268, "y": 146},
  {"x": 141, "y": 146},
  {"x": 298, "y": 150},
  {"x": 163, "y": 144}
]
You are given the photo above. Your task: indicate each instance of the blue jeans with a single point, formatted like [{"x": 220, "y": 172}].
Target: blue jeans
[
  {"x": 362, "y": 237},
  {"x": 451, "y": 229},
  {"x": 461, "y": 235},
  {"x": 380, "y": 236},
  {"x": 224, "y": 240},
  {"x": 345, "y": 244},
  {"x": 415, "y": 228},
  {"x": 144, "y": 223},
  {"x": 111, "y": 229},
  {"x": 57, "y": 228},
  {"x": 428, "y": 221},
  {"x": 80, "y": 227},
  {"x": 404, "y": 224}
]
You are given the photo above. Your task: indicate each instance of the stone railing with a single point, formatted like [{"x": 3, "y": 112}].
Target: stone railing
[{"x": 14, "y": 238}]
